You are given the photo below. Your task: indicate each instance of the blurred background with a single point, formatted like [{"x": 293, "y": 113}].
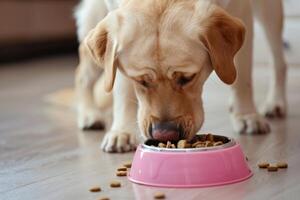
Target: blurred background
[
  {"x": 39, "y": 28},
  {"x": 35, "y": 28}
]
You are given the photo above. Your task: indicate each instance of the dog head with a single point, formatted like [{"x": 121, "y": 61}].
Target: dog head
[{"x": 168, "y": 48}]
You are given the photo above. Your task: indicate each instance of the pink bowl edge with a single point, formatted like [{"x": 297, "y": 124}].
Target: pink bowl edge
[{"x": 191, "y": 186}]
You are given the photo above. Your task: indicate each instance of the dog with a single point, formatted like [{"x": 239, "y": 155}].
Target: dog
[{"x": 148, "y": 60}]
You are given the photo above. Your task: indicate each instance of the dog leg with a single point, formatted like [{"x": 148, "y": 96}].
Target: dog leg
[
  {"x": 122, "y": 136},
  {"x": 244, "y": 116},
  {"x": 89, "y": 116},
  {"x": 270, "y": 15}
]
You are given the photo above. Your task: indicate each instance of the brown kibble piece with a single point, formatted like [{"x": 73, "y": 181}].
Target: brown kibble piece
[
  {"x": 159, "y": 195},
  {"x": 282, "y": 165},
  {"x": 127, "y": 164},
  {"x": 263, "y": 165},
  {"x": 210, "y": 137},
  {"x": 121, "y": 173},
  {"x": 198, "y": 143},
  {"x": 95, "y": 189},
  {"x": 208, "y": 144},
  {"x": 218, "y": 143},
  {"x": 169, "y": 144},
  {"x": 104, "y": 198},
  {"x": 115, "y": 184},
  {"x": 161, "y": 145},
  {"x": 272, "y": 168},
  {"x": 200, "y": 146},
  {"x": 122, "y": 169},
  {"x": 173, "y": 146},
  {"x": 181, "y": 144}
]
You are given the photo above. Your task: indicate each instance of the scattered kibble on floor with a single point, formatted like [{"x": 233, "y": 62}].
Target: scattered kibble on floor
[
  {"x": 263, "y": 165},
  {"x": 104, "y": 198},
  {"x": 159, "y": 195},
  {"x": 121, "y": 173},
  {"x": 95, "y": 189},
  {"x": 272, "y": 167},
  {"x": 115, "y": 184}
]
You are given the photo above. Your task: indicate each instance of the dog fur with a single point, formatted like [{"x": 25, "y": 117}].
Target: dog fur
[{"x": 152, "y": 57}]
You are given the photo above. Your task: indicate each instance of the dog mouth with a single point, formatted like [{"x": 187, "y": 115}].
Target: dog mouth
[{"x": 166, "y": 131}]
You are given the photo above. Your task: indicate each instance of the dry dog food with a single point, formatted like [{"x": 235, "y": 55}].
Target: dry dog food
[
  {"x": 115, "y": 184},
  {"x": 263, "y": 165},
  {"x": 272, "y": 168},
  {"x": 170, "y": 145},
  {"x": 282, "y": 165},
  {"x": 161, "y": 145},
  {"x": 104, "y": 198},
  {"x": 159, "y": 195},
  {"x": 95, "y": 189},
  {"x": 121, "y": 173},
  {"x": 122, "y": 169},
  {"x": 127, "y": 164},
  {"x": 199, "y": 141},
  {"x": 183, "y": 144}
]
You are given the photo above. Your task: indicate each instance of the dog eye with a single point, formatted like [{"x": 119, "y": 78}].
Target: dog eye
[{"x": 183, "y": 80}]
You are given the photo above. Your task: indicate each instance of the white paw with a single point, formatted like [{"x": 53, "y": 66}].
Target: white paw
[
  {"x": 274, "y": 109},
  {"x": 250, "y": 124},
  {"x": 90, "y": 119},
  {"x": 118, "y": 141}
]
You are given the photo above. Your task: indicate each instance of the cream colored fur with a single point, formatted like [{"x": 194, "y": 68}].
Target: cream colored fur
[{"x": 157, "y": 42}]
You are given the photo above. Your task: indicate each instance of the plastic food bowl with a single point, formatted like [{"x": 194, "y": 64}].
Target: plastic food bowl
[{"x": 194, "y": 167}]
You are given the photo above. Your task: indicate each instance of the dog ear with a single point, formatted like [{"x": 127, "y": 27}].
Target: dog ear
[
  {"x": 222, "y": 35},
  {"x": 102, "y": 48}
]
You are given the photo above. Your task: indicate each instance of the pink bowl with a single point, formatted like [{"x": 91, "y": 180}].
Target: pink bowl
[{"x": 200, "y": 167}]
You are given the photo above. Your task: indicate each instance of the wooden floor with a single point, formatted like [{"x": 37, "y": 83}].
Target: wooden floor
[{"x": 44, "y": 156}]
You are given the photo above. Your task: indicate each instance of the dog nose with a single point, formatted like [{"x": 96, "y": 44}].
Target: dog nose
[{"x": 166, "y": 131}]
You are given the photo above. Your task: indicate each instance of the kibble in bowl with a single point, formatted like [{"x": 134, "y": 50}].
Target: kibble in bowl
[
  {"x": 199, "y": 142},
  {"x": 195, "y": 163}
]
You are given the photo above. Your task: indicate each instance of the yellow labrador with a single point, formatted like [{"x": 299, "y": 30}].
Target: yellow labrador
[{"x": 155, "y": 55}]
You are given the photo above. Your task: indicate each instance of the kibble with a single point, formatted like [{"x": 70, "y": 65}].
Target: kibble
[
  {"x": 199, "y": 143},
  {"x": 218, "y": 143},
  {"x": 159, "y": 195},
  {"x": 182, "y": 144},
  {"x": 209, "y": 144},
  {"x": 208, "y": 140},
  {"x": 282, "y": 165},
  {"x": 272, "y": 168},
  {"x": 263, "y": 165},
  {"x": 115, "y": 184},
  {"x": 210, "y": 137},
  {"x": 121, "y": 173},
  {"x": 122, "y": 169},
  {"x": 161, "y": 145},
  {"x": 200, "y": 146},
  {"x": 104, "y": 198},
  {"x": 169, "y": 144},
  {"x": 127, "y": 164},
  {"x": 95, "y": 189}
]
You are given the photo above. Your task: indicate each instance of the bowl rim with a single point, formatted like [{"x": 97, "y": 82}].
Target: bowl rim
[{"x": 231, "y": 143}]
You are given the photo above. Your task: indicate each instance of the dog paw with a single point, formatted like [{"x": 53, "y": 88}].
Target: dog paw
[
  {"x": 119, "y": 141},
  {"x": 275, "y": 109},
  {"x": 90, "y": 120},
  {"x": 250, "y": 124}
]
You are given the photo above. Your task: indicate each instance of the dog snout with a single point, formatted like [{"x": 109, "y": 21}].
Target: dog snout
[{"x": 166, "y": 131}]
